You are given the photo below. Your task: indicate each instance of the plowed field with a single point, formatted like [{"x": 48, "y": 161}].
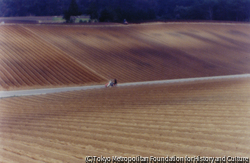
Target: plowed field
[
  {"x": 155, "y": 51},
  {"x": 202, "y": 118},
  {"x": 28, "y": 61},
  {"x": 34, "y": 56}
]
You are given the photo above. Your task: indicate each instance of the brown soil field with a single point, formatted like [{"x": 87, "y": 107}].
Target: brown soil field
[
  {"x": 34, "y": 56},
  {"x": 155, "y": 51},
  {"x": 197, "y": 118},
  {"x": 28, "y": 61}
]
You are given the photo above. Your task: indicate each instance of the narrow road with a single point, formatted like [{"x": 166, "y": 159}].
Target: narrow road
[{"x": 4, "y": 94}]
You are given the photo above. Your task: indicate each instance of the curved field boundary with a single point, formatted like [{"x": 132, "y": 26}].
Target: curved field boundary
[{"x": 4, "y": 94}]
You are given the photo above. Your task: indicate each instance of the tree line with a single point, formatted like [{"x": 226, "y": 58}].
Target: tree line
[{"x": 132, "y": 10}]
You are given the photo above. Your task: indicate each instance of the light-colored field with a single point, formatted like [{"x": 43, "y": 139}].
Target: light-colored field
[
  {"x": 44, "y": 20},
  {"x": 35, "y": 56},
  {"x": 196, "y": 118},
  {"x": 33, "y": 19}
]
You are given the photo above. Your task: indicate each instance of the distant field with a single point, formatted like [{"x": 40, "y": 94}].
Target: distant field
[
  {"x": 35, "y": 56},
  {"x": 33, "y": 19},
  {"x": 197, "y": 118},
  {"x": 44, "y": 20}
]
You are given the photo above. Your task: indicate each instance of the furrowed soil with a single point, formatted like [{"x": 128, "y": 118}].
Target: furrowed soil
[
  {"x": 26, "y": 61},
  {"x": 155, "y": 51},
  {"x": 196, "y": 118},
  {"x": 36, "y": 56}
]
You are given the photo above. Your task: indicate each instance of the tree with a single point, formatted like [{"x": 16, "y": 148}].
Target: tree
[
  {"x": 181, "y": 12},
  {"x": 209, "y": 7},
  {"x": 106, "y": 15},
  {"x": 131, "y": 10},
  {"x": 93, "y": 10},
  {"x": 72, "y": 11}
]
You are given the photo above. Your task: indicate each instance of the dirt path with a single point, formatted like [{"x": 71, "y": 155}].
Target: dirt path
[{"x": 4, "y": 94}]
